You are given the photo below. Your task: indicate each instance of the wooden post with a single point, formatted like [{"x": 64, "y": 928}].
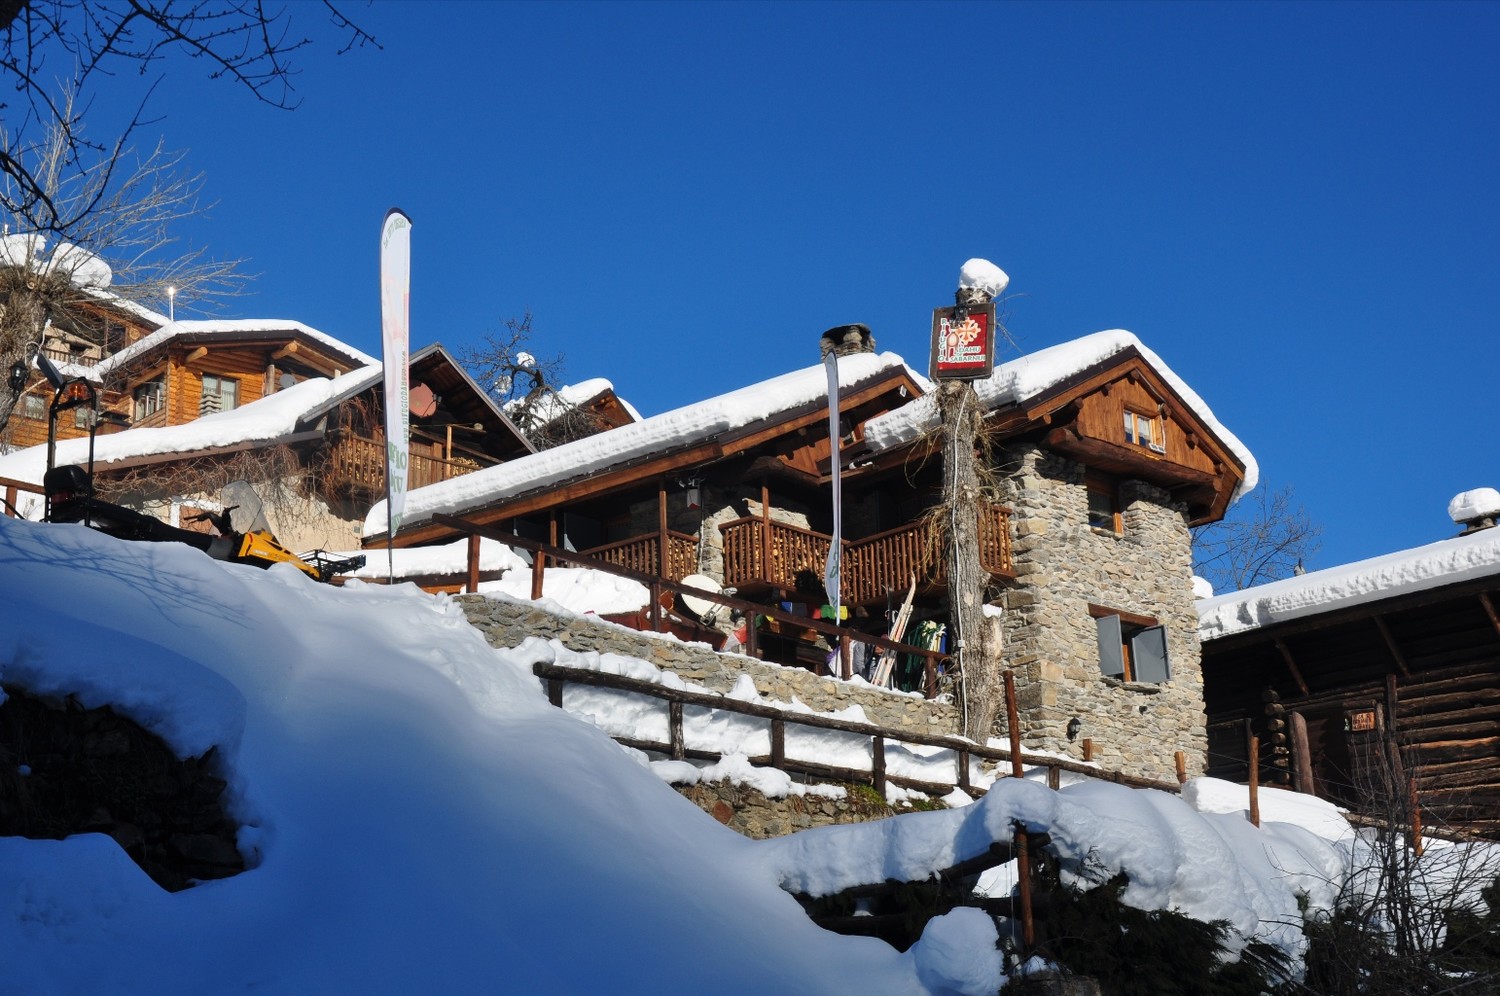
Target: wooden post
[
  {"x": 1181, "y": 760},
  {"x": 663, "y": 549},
  {"x": 1054, "y": 777},
  {"x": 674, "y": 730},
  {"x": 472, "y": 585},
  {"x": 1013, "y": 720},
  {"x": 656, "y": 606},
  {"x": 1416, "y": 815},
  {"x": 1088, "y": 749},
  {"x": 929, "y": 683},
  {"x": 1302, "y": 773},
  {"x": 878, "y": 765},
  {"x": 778, "y": 743},
  {"x": 554, "y": 691},
  {"x": 1255, "y": 780},
  {"x": 10, "y": 500},
  {"x": 1023, "y": 845},
  {"x": 538, "y": 565},
  {"x": 963, "y": 770},
  {"x": 765, "y": 535},
  {"x": 846, "y": 654}
]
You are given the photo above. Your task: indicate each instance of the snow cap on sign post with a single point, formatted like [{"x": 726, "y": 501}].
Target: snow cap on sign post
[{"x": 981, "y": 277}]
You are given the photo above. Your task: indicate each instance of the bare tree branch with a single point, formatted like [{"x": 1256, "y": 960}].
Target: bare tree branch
[{"x": 1265, "y": 537}]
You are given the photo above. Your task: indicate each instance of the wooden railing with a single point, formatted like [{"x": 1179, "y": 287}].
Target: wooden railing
[
  {"x": 774, "y": 553},
  {"x": 13, "y": 489},
  {"x": 359, "y": 463},
  {"x": 642, "y": 554},
  {"x": 841, "y": 636},
  {"x": 64, "y": 355}
]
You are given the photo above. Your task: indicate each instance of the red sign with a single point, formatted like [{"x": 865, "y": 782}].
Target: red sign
[{"x": 963, "y": 342}]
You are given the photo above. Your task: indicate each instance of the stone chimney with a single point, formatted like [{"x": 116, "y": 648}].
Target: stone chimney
[
  {"x": 1475, "y": 510},
  {"x": 846, "y": 340}
]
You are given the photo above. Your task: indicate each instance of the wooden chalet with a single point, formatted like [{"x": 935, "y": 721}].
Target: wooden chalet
[
  {"x": 1375, "y": 685},
  {"x": 1102, "y": 459}
]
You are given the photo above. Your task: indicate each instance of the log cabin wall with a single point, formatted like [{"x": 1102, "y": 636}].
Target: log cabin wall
[
  {"x": 1422, "y": 674},
  {"x": 1064, "y": 568},
  {"x": 245, "y": 366}
]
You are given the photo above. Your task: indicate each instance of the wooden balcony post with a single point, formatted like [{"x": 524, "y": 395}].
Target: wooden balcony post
[
  {"x": 538, "y": 565},
  {"x": 767, "y": 571},
  {"x": 473, "y": 580},
  {"x": 663, "y": 555}
]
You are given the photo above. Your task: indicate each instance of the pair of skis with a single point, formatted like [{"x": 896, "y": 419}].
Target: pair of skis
[{"x": 887, "y": 662}]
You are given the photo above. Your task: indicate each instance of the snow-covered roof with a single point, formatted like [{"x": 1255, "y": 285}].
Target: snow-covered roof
[
  {"x": 1032, "y": 375},
  {"x": 262, "y": 422},
  {"x": 229, "y": 327},
  {"x": 1449, "y": 561},
  {"x": 662, "y": 433}
]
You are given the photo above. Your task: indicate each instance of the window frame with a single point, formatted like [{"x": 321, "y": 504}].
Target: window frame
[
  {"x": 1099, "y": 485},
  {"x": 1132, "y": 647},
  {"x": 33, "y": 406},
  {"x": 1155, "y": 434},
  {"x": 150, "y": 394},
  {"x": 222, "y": 381}
]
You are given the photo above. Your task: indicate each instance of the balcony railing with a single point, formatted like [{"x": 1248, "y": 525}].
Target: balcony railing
[
  {"x": 643, "y": 553},
  {"x": 773, "y": 554},
  {"x": 359, "y": 464}
]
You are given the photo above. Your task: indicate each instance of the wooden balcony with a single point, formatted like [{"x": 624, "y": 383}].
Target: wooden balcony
[
  {"x": 358, "y": 464},
  {"x": 758, "y": 554},
  {"x": 642, "y": 554}
]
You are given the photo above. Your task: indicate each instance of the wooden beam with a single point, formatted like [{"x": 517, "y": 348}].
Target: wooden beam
[
  {"x": 284, "y": 351},
  {"x": 1291, "y": 665},
  {"x": 1489, "y": 610},
  {"x": 195, "y": 355},
  {"x": 1390, "y": 644}
]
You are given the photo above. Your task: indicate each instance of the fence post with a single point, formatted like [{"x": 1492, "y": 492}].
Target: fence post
[
  {"x": 674, "y": 730},
  {"x": 1088, "y": 749},
  {"x": 778, "y": 743},
  {"x": 929, "y": 677},
  {"x": 10, "y": 500},
  {"x": 656, "y": 612},
  {"x": 1255, "y": 780},
  {"x": 1023, "y": 845},
  {"x": 846, "y": 654},
  {"x": 1054, "y": 777},
  {"x": 554, "y": 691},
  {"x": 473, "y": 581},
  {"x": 963, "y": 770},
  {"x": 877, "y": 765},
  {"x": 1181, "y": 759},
  {"x": 538, "y": 565}
]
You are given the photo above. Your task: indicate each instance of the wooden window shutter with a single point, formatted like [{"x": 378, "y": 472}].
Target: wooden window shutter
[
  {"x": 1148, "y": 650},
  {"x": 1111, "y": 646}
]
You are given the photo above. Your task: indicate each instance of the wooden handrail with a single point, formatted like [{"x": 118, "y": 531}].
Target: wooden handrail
[
  {"x": 657, "y": 585},
  {"x": 12, "y": 492},
  {"x": 959, "y": 745}
]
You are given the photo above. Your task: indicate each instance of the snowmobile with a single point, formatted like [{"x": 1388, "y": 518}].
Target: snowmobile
[{"x": 70, "y": 498}]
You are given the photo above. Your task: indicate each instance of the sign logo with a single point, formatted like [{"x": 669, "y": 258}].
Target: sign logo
[{"x": 963, "y": 342}]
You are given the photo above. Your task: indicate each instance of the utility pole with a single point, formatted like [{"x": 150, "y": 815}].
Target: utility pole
[{"x": 964, "y": 350}]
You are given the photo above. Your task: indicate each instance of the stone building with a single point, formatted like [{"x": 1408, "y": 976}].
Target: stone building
[{"x": 1101, "y": 460}]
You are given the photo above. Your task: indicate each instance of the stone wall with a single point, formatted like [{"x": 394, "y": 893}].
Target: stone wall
[
  {"x": 506, "y": 623},
  {"x": 750, "y": 812},
  {"x": 1063, "y": 565}
]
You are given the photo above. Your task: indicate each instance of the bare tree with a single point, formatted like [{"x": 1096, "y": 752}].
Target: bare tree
[
  {"x": 54, "y": 50},
  {"x": 123, "y": 208},
  {"x": 1265, "y": 537},
  {"x": 527, "y": 387}
]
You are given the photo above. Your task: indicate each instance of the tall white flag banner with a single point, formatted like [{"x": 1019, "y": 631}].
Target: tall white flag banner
[
  {"x": 395, "y": 301},
  {"x": 831, "y": 570}
]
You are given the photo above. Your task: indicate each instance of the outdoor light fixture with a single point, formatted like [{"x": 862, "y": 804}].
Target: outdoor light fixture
[
  {"x": 1074, "y": 725},
  {"x": 19, "y": 371}
]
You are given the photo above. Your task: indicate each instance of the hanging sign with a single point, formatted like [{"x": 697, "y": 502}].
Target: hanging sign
[{"x": 963, "y": 342}]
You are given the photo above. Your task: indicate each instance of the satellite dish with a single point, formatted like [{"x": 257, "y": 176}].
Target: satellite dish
[
  {"x": 285, "y": 381},
  {"x": 422, "y": 401},
  {"x": 700, "y": 607}
]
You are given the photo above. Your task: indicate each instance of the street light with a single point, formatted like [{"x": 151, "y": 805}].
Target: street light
[{"x": 171, "y": 304}]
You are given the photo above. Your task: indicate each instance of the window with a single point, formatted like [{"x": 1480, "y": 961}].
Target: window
[
  {"x": 220, "y": 394},
  {"x": 83, "y": 417},
  {"x": 34, "y": 406},
  {"x": 1131, "y": 647},
  {"x": 1145, "y": 430},
  {"x": 149, "y": 398},
  {"x": 1104, "y": 504}
]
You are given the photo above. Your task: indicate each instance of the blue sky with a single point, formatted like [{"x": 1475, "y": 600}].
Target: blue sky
[{"x": 1294, "y": 205}]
